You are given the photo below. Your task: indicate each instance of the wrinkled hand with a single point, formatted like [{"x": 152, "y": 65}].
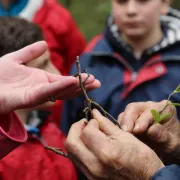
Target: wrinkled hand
[
  {"x": 103, "y": 151},
  {"x": 24, "y": 87},
  {"x": 164, "y": 138}
]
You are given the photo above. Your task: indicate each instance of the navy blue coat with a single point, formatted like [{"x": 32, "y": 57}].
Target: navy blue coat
[
  {"x": 168, "y": 173},
  {"x": 125, "y": 80}
]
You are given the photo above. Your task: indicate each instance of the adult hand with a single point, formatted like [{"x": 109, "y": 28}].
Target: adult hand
[
  {"x": 24, "y": 87},
  {"x": 164, "y": 138},
  {"x": 103, "y": 151}
]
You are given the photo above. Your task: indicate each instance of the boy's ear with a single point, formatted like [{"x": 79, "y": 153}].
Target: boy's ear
[{"x": 165, "y": 6}]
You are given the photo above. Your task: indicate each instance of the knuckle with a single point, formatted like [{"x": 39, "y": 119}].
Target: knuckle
[
  {"x": 120, "y": 117},
  {"x": 69, "y": 144},
  {"x": 131, "y": 105},
  {"x": 96, "y": 169},
  {"x": 86, "y": 131}
]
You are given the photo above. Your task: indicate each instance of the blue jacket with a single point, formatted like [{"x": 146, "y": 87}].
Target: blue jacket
[
  {"x": 124, "y": 78},
  {"x": 168, "y": 173}
]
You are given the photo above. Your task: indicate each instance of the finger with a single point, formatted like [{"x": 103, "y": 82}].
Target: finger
[
  {"x": 76, "y": 147},
  {"x": 146, "y": 119},
  {"x": 56, "y": 77},
  {"x": 28, "y": 53},
  {"x": 159, "y": 134},
  {"x": 131, "y": 114},
  {"x": 75, "y": 91},
  {"x": 96, "y": 139},
  {"x": 143, "y": 122},
  {"x": 120, "y": 117},
  {"x": 105, "y": 125},
  {"x": 84, "y": 77},
  {"x": 42, "y": 93}
]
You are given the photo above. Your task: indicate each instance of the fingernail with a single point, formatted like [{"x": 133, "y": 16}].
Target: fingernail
[
  {"x": 124, "y": 128},
  {"x": 137, "y": 127}
]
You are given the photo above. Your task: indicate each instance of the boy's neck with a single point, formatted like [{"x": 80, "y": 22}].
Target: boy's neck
[
  {"x": 140, "y": 44},
  {"x": 6, "y": 3}
]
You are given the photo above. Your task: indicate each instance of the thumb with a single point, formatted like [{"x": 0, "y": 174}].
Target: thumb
[
  {"x": 105, "y": 125},
  {"x": 28, "y": 53},
  {"x": 159, "y": 134}
]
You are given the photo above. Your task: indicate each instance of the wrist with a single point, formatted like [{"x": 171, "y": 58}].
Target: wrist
[{"x": 154, "y": 164}]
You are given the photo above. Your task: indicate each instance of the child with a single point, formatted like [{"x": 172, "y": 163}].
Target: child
[
  {"x": 31, "y": 160},
  {"x": 61, "y": 33},
  {"x": 137, "y": 58}
]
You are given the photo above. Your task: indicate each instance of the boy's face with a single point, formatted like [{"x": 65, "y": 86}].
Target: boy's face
[
  {"x": 44, "y": 63},
  {"x": 136, "y": 18}
]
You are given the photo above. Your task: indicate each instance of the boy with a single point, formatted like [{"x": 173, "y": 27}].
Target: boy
[
  {"x": 32, "y": 160},
  {"x": 61, "y": 33},
  {"x": 137, "y": 58}
]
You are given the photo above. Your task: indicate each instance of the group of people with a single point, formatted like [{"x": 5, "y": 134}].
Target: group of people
[{"x": 135, "y": 61}]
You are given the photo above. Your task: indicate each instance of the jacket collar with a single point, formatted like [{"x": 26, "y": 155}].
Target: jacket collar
[{"x": 14, "y": 9}]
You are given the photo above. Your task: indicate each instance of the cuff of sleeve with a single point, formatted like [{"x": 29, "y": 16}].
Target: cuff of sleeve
[
  {"x": 167, "y": 173},
  {"x": 12, "y": 133}
]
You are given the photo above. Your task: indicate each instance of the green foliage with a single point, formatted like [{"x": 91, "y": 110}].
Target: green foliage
[
  {"x": 177, "y": 90},
  {"x": 157, "y": 116},
  {"x": 174, "y": 104},
  {"x": 90, "y": 15}
]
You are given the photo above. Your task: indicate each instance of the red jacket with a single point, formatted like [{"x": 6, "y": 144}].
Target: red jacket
[
  {"x": 12, "y": 133},
  {"x": 61, "y": 33},
  {"x": 32, "y": 161}
]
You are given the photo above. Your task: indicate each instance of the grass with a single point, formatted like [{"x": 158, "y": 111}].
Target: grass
[{"x": 90, "y": 15}]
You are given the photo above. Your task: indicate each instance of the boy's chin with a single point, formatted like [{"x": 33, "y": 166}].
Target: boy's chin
[{"x": 134, "y": 34}]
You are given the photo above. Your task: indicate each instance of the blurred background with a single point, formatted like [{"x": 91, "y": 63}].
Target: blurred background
[{"x": 89, "y": 14}]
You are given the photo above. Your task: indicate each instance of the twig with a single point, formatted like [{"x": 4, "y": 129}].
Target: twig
[
  {"x": 57, "y": 151},
  {"x": 169, "y": 97},
  {"x": 89, "y": 102},
  {"x": 106, "y": 113},
  {"x": 86, "y": 111}
]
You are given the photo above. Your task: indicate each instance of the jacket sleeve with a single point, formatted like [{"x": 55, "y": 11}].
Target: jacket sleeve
[
  {"x": 12, "y": 133},
  {"x": 168, "y": 173}
]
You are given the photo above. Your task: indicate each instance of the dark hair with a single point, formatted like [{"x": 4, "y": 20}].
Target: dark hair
[{"x": 16, "y": 33}]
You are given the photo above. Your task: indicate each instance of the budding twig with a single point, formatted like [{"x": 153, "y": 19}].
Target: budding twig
[
  {"x": 90, "y": 103},
  {"x": 57, "y": 151}
]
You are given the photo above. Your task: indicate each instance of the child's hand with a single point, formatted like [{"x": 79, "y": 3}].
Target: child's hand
[{"x": 164, "y": 138}]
